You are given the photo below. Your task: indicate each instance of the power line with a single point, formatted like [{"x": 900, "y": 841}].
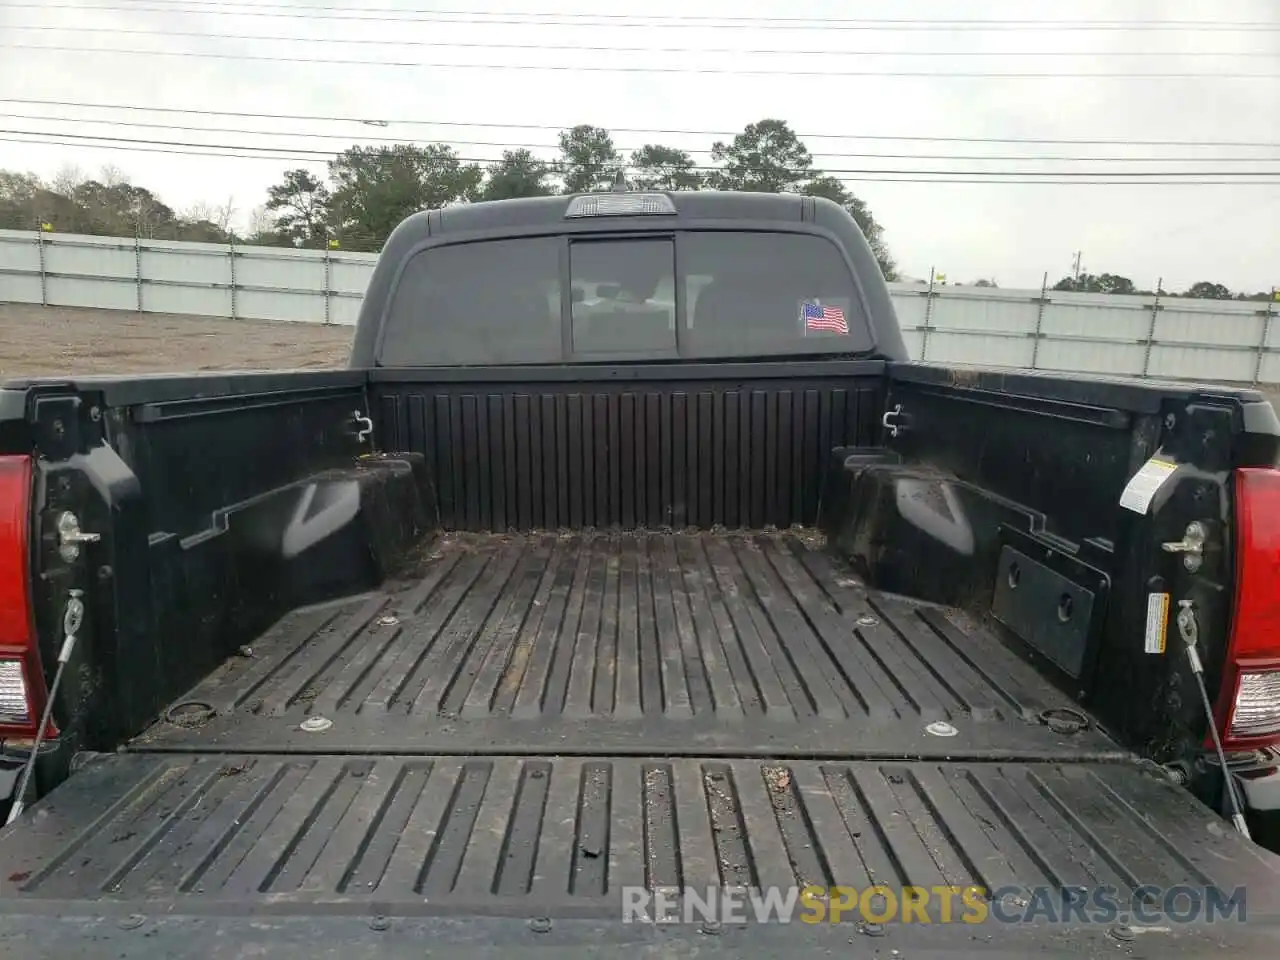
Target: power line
[
  {"x": 505, "y": 144},
  {"x": 400, "y": 121},
  {"x": 302, "y": 153},
  {"x": 381, "y": 42},
  {"x": 562, "y": 19},
  {"x": 916, "y": 180},
  {"x": 616, "y": 68}
]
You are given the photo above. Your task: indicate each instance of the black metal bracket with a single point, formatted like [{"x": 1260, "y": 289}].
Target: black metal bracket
[{"x": 1051, "y": 599}]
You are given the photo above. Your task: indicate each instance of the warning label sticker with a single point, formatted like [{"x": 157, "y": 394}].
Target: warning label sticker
[
  {"x": 1142, "y": 486},
  {"x": 1157, "y": 622}
]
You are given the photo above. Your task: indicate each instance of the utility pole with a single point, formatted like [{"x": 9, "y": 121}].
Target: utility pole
[{"x": 1075, "y": 265}]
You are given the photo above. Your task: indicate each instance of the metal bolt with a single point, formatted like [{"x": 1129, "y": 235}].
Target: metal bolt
[
  {"x": 59, "y": 428},
  {"x": 1123, "y": 932},
  {"x": 867, "y": 621},
  {"x": 315, "y": 724},
  {"x": 1170, "y": 420},
  {"x": 95, "y": 414},
  {"x": 940, "y": 728},
  {"x": 132, "y": 922},
  {"x": 872, "y": 929},
  {"x": 105, "y": 572},
  {"x": 379, "y": 923},
  {"x": 388, "y": 621},
  {"x": 710, "y": 927},
  {"x": 540, "y": 925}
]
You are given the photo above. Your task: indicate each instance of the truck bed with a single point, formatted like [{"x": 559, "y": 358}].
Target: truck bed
[
  {"x": 651, "y": 644},
  {"x": 527, "y": 723}
]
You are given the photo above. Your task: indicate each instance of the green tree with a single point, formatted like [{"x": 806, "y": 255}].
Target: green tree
[
  {"x": 374, "y": 188},
  {"x": 834, "y": 190},
  {"x": 299, "y": 205},
  {"x": 767, "y": 157},
  {"x": 19, "y": 200},
  {"x": 1099, "y": 283},
  {"x": 1204, "y": 290},
  {"x": 123, "y": 209},
  {"x": 518, "y": 174},
  {"x": 655, "y": 167},
  {"x": 588, "y": 159}
]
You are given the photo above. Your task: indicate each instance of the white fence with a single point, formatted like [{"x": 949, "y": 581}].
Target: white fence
[
  {"x": 162, "y": 276},
  {"x": 1088, "y": 333}
]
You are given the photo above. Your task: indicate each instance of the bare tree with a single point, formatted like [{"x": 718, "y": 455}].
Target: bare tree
[
  {"x": 223, "y": 214},
  {"x": 112, "y": 176},
  {"x": 67, "y": 179},
  {"x": 200, "y": 211},
  {"x": 260, "y": 221}
]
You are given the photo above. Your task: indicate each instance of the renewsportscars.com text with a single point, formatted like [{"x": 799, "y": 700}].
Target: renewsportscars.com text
[{"x": 1147, "y": 904}]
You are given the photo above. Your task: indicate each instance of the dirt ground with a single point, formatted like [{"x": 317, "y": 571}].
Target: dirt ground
[{"x": 66, "y": 340}]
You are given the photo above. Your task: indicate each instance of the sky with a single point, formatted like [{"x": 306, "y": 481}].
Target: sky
[{"x": 448, "y": 76}]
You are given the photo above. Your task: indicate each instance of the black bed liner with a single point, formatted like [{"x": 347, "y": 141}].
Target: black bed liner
[
  {"x": 645, "y": 644},
  {"x": 427, "y": 836},
  {"x": 531, "y": 723}
]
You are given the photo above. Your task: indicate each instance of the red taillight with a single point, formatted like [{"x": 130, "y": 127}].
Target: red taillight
[
  {"x": 22, "y": 686},
  {"x": 1249, "y": 708}
]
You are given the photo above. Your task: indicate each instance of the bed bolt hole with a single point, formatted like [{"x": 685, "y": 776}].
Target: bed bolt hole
[
  {"x": 1015, "y": 574},
  {"x": 1065, "y": 607}
]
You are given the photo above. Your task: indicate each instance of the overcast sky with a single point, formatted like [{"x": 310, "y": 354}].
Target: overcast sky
[{"x": 1229, "y": 233}]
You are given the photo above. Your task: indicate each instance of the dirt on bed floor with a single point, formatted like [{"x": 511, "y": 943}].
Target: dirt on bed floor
[{"x": 45, "y": 341}]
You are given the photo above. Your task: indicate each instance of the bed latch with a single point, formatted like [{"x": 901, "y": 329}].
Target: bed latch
[{"x": 365, "y": 425}]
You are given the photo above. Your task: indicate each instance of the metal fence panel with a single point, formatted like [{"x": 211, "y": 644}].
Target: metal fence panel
[
  {"x": 20, "y": 253},
  {"x": 64, "y": 291},
  {"x": 91, "y": 260},
  {"x": 269, "y": 269},
  {"x": 350, "y": 276},
  {"x": 1045, "y": 329},
  {"x": 1096, "y": 320}
]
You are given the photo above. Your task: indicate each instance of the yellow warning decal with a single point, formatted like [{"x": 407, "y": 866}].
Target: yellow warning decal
[{"x": 1157, "y": 622}]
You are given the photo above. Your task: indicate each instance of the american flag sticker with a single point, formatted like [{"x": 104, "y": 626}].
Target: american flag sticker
[{"x": 820, "y": 319}]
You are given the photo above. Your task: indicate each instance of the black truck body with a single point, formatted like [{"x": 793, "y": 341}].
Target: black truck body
[{"x": 458, "y": 645}]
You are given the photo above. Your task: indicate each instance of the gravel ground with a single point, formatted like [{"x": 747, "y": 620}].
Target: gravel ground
[
  {"x": 69, "y": 340},
  {"x": 66, "y": 340}
]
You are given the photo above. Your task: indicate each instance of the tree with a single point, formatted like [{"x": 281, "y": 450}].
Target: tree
[
  {"x": 300, "y": 207},
  {"x": 68, "y": 177},
  {"x": 1204, "y": 290},
  {"x": 208, "y": 222},
  {"x": 262, "y": 228},
  {"x": 834, "y": 190},
  {"x": 112, "y": 176},
  {"x": 19, "y": 193},
  {"x": 588, "y": 159},
  {"x": 123, "y": 209},
  {"x": 374, "y": 188},
  {"x": 1100, "y": 283},
  {"x": 767, "y": 157},
  {"x": 518, "y": 174},
  {"x": 656, "y": 167}
]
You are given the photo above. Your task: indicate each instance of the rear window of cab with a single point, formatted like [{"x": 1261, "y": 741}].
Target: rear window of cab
[{"x": 709, "y": 294}]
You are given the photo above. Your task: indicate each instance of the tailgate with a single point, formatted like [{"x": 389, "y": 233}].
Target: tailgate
[{"x": 191, "y": 850}]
